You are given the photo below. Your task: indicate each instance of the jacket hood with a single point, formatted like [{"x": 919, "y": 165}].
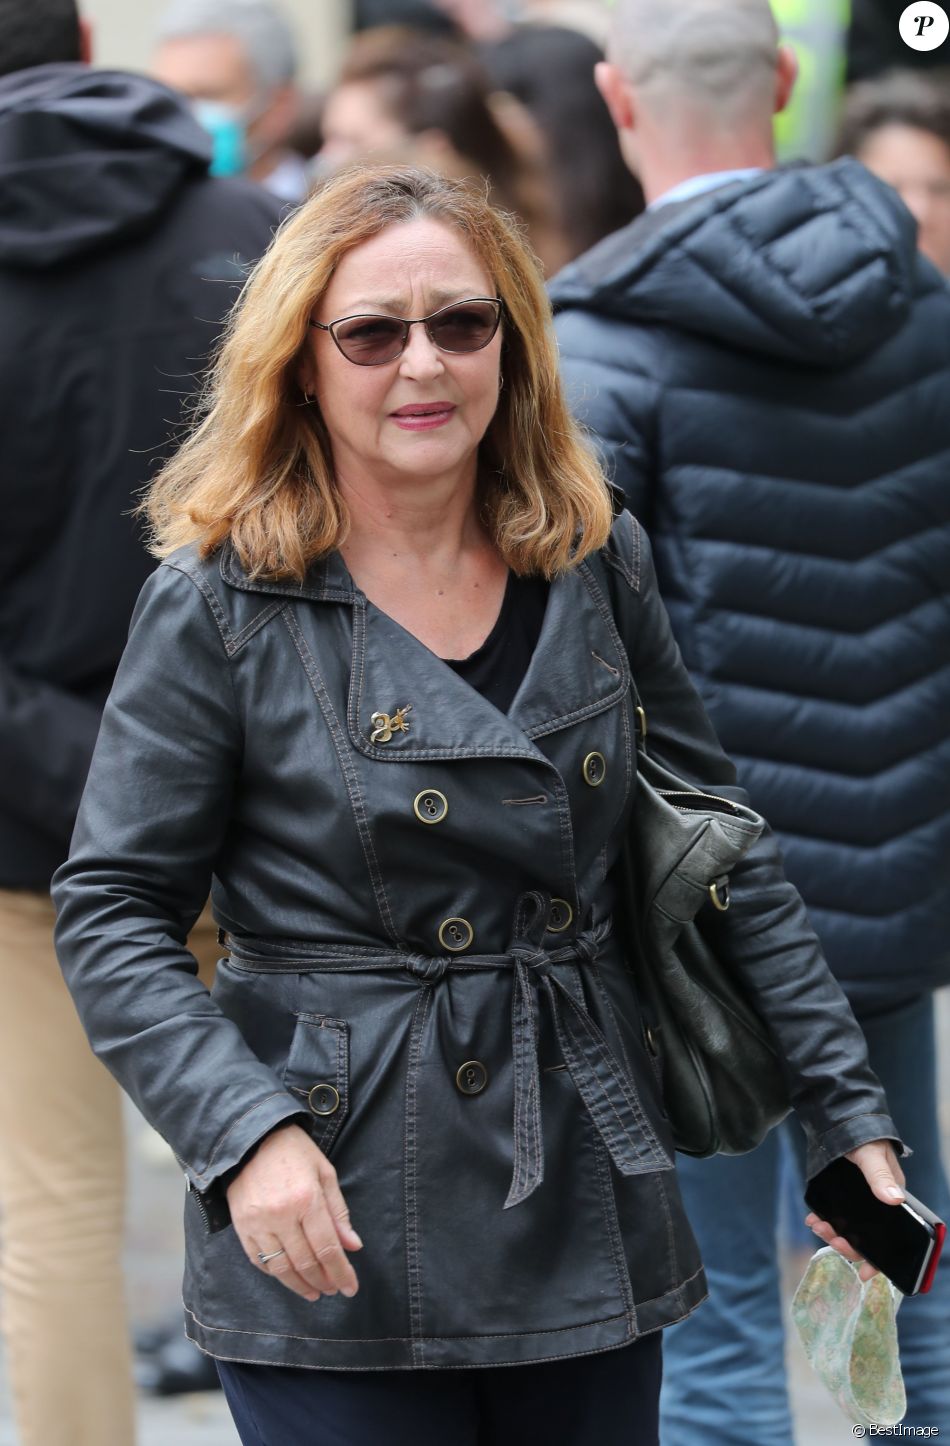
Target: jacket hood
[
  {"x": 88, "y": 157},
  {"x": 815, "y": 265}
]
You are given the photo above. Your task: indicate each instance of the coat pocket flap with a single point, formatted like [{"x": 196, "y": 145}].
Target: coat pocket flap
[{"x": 318, "y": 1072}]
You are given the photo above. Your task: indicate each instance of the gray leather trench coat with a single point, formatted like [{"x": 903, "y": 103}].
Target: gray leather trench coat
[{"x": 416, "y": 894}]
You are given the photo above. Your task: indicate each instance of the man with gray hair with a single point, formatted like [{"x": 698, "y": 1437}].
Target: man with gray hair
[
  {"x": 764, "y": 357},
  {"x": 236, "y": 61},
  {"x": 719, "y": 56}
]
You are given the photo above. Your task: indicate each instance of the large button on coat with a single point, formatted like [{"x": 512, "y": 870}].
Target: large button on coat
[{"x": 486, "y": 1095}]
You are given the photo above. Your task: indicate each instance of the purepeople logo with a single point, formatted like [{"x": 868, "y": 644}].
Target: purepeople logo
[{"x": 924, "y": 26}]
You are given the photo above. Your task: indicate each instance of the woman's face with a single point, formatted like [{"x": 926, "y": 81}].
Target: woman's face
[
  {"x": 423, "y": 415},
  {"x": 356, "y": 123},
  {"x": 917, "y": 164}
]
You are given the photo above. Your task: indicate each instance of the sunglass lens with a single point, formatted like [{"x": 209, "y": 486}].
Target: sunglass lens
[
  {"x": 370, "y": 340},
  {"x": 467, "y": 327}
]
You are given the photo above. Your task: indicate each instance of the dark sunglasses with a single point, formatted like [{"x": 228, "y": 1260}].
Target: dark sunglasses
[{"x": 370, "y": 341}]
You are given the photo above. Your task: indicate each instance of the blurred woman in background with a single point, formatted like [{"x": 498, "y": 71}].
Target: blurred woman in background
[
  {"x": 408, "y": 96},
  {"x": 550, "y": 70},
  {"x": 899, "y": 127}
]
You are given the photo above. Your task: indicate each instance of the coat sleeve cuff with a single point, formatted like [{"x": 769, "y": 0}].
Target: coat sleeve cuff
[
  {"x": 231, "y": 1149},
  {"x": 859, "y": 1130}
]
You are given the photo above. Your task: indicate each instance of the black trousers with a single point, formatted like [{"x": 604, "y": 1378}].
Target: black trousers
[{"x": 610, "y": 1399}]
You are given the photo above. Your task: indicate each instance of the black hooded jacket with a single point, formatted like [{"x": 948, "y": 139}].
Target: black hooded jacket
[
  {"x": 119, "y": 257},
  {"x": 767, "y": 368}
]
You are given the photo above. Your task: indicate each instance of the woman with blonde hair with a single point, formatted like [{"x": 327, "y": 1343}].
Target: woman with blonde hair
[{"x": 378, "y": 695}]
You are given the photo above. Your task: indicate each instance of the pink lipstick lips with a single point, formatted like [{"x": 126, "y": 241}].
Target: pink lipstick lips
[{"x": 422, "y": 416}]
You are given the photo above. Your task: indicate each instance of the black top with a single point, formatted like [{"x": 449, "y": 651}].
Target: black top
[{"x": 496, "y": 668}]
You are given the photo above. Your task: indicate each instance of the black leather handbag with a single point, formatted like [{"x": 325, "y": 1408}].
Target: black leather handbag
[{"x": 723, "y": 1084}]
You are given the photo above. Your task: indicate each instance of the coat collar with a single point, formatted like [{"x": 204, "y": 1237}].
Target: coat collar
[
  {"x": 326, "y": 581},
  {"x": 579, "y": 668}
]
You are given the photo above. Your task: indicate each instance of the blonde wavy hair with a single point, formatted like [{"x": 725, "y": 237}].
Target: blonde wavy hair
[{"x": 258, "y": 468}]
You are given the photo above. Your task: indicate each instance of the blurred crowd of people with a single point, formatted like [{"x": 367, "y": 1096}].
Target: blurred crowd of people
[
  {"x": 133, "y": 206},
  {"x": 513, "y": 105},
  {"x": 469, "y": 90}
]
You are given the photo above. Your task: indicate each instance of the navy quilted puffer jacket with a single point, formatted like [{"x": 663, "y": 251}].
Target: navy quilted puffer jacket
[{"x": 767, "y": 369}]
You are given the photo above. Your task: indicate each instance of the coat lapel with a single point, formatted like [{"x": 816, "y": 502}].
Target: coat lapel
[
  {"x": 394, "y": 675},
  {"x": 579, "y": 668},
  {"x": 580, "y": 665}
]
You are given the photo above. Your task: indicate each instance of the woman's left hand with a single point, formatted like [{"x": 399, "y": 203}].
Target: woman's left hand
[{"x": 877, "y": 1162}]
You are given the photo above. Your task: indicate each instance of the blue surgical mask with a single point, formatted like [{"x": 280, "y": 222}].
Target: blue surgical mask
[{"x": 227, "y": 127}]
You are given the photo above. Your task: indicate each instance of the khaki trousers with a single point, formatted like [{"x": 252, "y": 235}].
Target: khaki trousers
[{"x": 62, "y": 1198}]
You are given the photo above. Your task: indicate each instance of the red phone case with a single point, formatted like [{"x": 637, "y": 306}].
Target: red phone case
[{"x": 940, "y": 1235}]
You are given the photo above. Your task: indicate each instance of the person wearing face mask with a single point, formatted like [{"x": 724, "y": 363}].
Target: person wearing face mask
[
  {"x": 236, "y": 61},
  {"x": 899, "y": 127}
]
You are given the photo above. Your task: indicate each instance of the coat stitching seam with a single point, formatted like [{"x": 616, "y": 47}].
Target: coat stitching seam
[
  {"x": 404, "y": 1340},
  {"x": 566, "y": 829},
  {"x": 254, "y": 626},
  {"x": 649, "y": 1140},
  {"x": 221, "y": 623},
  {"x": 413, "y": 1265},
  {"x": 213, "y": 602},
  {"x": 609, "y": 1207},
  {"x": 629, "y": 571},
  {"x": 670, "y": 1231},
  {"x": 350, "y": 778},
  {"x": 274, "y": 1095}
]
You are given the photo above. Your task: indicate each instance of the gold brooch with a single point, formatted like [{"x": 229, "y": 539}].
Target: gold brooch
[{"x": 385, "y": 727}]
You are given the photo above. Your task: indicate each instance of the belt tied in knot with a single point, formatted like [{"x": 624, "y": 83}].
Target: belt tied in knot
[{"x": 602, "y": 1082}]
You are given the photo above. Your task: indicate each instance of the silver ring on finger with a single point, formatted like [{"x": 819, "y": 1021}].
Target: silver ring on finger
[{"x": 272, "y": 1255}]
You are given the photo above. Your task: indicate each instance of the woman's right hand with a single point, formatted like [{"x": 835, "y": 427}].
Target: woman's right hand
[{"x": 286, "y": 1199}]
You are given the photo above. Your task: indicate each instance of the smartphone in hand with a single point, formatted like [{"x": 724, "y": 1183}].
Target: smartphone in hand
[{"x": 902, "y": 1241}]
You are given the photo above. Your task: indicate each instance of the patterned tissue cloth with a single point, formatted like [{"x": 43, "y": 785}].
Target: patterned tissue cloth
[{"x": 848, "y": 1328}]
